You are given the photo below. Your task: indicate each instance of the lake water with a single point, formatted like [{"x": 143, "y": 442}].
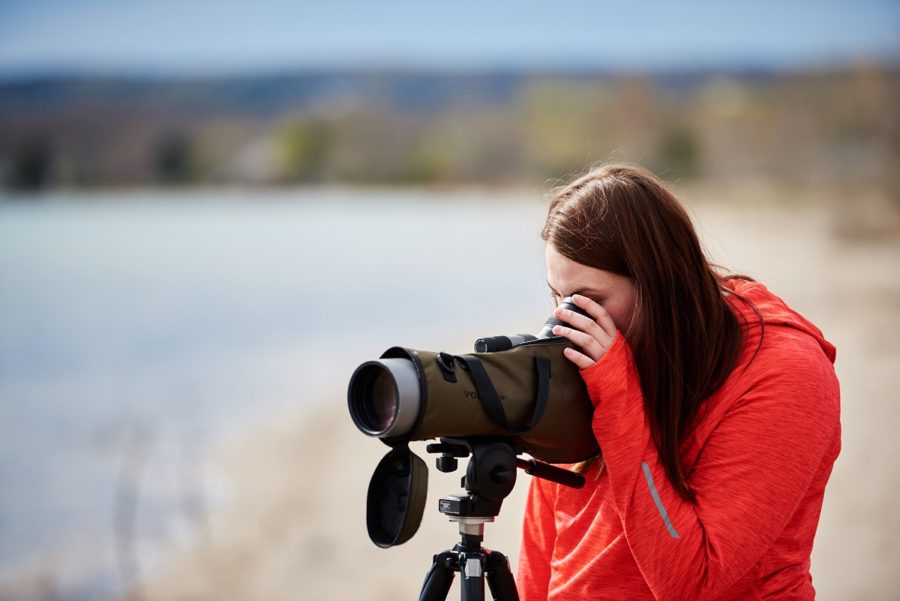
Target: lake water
[{"x": 139, "y": 330}]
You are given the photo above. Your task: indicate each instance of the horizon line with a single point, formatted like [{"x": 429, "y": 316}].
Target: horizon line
[{"x": 146, "y": 72}]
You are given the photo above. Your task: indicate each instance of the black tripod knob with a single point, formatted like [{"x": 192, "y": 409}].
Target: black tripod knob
[
  {"x": 446, "y": 463},
  {"x": 492, "y": 471}
]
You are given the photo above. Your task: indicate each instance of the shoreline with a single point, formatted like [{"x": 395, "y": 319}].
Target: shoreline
[{"x": 296, "y": 526}]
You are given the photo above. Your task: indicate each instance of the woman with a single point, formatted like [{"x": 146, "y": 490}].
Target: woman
[{"x": 716, "y": 412}]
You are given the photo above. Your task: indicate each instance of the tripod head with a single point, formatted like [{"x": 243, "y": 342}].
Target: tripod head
[{"x": 490, "y": 475}]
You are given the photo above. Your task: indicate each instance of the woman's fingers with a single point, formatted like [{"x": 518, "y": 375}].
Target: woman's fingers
[
  {"x": 585, "y": 324},
  {"x": 581, "y": 360},
  {"x": 588, "y": 345},
  {"x": 592, "y": 334},
  {"x": 595, "y": 310}
]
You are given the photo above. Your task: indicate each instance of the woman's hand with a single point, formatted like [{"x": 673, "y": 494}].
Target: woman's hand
[{"x": 591, "y": 336}]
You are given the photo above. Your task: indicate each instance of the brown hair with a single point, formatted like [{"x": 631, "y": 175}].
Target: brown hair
[{"x": 684, "y": 337}]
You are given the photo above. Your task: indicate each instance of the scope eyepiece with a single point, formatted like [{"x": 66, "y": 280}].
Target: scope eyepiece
[
  {"x": 567, "y": 303},
  {"x": 493, "y": 344}
]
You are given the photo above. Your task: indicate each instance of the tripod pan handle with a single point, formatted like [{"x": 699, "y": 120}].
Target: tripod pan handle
[{"x": 549, "y": 472}]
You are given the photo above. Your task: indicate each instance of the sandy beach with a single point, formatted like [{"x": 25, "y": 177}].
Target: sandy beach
[{"x": 294, "y": 525}]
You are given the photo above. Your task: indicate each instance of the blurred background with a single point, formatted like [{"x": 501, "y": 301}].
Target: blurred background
[{"x": 211, "y": 212}]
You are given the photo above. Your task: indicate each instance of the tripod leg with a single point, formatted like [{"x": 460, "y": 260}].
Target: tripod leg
[
  {"x": 439, "y": 578},
  {"x": 500, "y": 578},
  {"x": 473, "y": 577}
]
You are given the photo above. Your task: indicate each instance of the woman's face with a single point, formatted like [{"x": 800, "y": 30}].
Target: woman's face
[{"x": 612, "y": 291}]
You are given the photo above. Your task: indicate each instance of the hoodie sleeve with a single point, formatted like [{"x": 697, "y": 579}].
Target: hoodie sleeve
[
  {"x": 538, "y": 537},
  {"x": 750, "y": 476}
]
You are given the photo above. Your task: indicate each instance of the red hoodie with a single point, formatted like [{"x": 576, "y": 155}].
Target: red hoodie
[{"x": 758, "y": 462}]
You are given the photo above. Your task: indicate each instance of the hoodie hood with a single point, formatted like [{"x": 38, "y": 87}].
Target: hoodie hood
[{"x": 773, "y": 310}]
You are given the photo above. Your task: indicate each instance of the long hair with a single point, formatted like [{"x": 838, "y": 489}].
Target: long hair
[{"x": 684, "y": 337}]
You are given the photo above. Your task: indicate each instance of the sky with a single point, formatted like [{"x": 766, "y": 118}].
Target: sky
[{"x": 226, "y": 36}]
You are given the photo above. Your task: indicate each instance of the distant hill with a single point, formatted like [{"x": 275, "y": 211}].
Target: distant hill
[
  {"x": 262, "y": 94},
  {"x": 429, "y": 127},
  {"x": 265, "y": 94}
]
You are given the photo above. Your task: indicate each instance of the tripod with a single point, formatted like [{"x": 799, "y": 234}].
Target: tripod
[{"x": 490, "y": 477}]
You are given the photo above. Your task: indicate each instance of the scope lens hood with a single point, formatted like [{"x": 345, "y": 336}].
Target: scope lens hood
[{"x": 396, "y": 498}]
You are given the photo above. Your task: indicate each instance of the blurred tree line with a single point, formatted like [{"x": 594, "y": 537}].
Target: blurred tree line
[{"x": 821, "y": 127}]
